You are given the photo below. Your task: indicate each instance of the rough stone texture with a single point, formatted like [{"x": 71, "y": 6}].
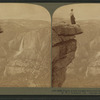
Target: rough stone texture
[
  {"x": 67, "y": 30},
  {"x": 63, "y": 50}
]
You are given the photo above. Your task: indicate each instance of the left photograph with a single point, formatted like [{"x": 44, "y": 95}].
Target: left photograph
[{"x": 25, "y": 45}]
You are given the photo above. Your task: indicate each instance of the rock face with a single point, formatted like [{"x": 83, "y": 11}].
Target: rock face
[
  {"x": 84, "y": 71},
  {"x": 63, "y": 50},
  {"x": 25, "y": 55}
]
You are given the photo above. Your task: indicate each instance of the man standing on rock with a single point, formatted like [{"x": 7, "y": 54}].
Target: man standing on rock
[{"x": 72, "y": 18}]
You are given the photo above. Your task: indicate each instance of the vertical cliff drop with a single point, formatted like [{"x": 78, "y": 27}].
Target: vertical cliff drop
[{"x": 64, "y": 46}]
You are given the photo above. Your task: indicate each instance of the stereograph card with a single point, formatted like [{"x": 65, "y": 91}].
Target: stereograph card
[{"x": 49, "y": 48}]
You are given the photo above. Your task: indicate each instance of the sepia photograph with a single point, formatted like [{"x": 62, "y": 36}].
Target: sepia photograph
[
  {"x": 76, "y": 46},
  {"x": 25, "y": 51}
]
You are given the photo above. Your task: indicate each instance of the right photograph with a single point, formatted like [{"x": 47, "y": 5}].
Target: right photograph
[{"x": 76, "y": 46}]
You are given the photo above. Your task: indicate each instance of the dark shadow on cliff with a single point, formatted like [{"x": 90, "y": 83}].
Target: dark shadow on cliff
[{"x": 64, "y": 46}]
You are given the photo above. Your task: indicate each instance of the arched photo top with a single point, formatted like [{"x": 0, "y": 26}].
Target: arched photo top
[
  {"x": 82, "y": 11},
  {"x": 25, "y": 39},
  {"x": 23, "y": 11},
  {"x": 76, "y": 27}
]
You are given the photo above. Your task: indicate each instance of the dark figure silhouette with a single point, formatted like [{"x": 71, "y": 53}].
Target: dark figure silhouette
[{"x": 72, "y": 18}]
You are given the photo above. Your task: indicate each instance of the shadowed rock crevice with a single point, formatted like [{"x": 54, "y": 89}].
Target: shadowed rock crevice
[{"x": 64, "y": 46}]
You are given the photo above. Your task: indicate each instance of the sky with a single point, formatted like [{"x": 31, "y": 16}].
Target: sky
[
  {"x": 82, "y": 11},
  {"x": 23, "y": 11}
]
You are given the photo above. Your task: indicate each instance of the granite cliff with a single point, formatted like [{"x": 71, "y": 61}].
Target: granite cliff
[
  {"x": 25, "y": 54},
  {"x": 84, "y": 71},
  {"x": 64, "y": 46}
]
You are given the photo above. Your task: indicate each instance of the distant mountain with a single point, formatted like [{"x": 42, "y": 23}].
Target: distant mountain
[
  {"x": 25, "y": 53},
  {"x": 56, "y": 21}
]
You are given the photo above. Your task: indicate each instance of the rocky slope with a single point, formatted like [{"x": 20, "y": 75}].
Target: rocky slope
[
  {"x": 87, "y": 57},
  {"x": 25, "y": 54},
  {"x": 64, "y": 46}
]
